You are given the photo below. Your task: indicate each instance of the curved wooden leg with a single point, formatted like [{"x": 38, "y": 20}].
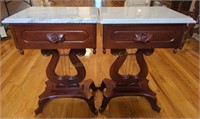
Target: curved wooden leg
[
  {"x": 109, "y": 85},
  {"x": 150, "y": 96},
  {"x": 41, "y": 104},
  {"x": 104, "y": 103},
  {"x": 128, "y": 85},
  {"x": 89, "y": 84},
  {"x": 92, "y": 105},
  {"x": 67, "y": 86},
  {"x": 153, "y": 102}
]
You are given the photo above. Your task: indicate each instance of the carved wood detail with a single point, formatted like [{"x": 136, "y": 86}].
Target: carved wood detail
[
  {"x": 128, "y": 85},
  {"x": 67, "y": 86},
  {"x": 55, "y": 37},
  {"x": 142, "y": 36}
]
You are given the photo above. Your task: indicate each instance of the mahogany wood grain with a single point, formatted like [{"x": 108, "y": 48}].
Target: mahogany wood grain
[
  {"x": 67, "y": 86},
  {"x": 49, "y": 38},
  {"x": 124, "y": 36},
  {"x": 128, "y": 85},
  {"x": 36, "y": 36},
  {"x": 144, "y": 38}
]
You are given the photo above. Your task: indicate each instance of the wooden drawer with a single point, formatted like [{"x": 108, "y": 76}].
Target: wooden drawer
[
  {"x": 142, "y": 36},
  {"x": 54, "y": 36}
]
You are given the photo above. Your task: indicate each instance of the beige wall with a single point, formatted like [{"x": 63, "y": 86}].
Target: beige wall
[
  {"x": 15, "y": 6},
  {"x": 192, "y": 5}
]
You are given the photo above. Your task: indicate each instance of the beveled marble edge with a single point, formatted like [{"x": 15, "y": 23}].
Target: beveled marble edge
[
  {"x": 93, "y": 16},
  {"x": 58, "y": 15},
  {"x": 155, "y": 15},
  {"x": 149, "y": 21},
  {"x": 48, "y": 21}
]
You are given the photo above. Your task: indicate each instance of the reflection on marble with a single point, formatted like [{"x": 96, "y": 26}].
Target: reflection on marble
[
  {"x": 55, "y": 15},
  {"x": 108, "y": 15},
  {"x": 142, "y": 15},
  {"x": 98, "y": 3}
]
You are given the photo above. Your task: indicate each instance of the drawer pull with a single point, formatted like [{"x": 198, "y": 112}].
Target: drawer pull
[
  {"x": 143, "y": 37},
  {"x": 55, "y": 37}
]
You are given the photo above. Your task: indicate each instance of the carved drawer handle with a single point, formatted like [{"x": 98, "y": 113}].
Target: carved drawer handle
[
  {"x": 143, "y": 37},
  {"x": 55, "y": 37}
]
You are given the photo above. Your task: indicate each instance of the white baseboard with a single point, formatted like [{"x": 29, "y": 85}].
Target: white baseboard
[
  {"x": 2, "y": 32},
  {"x": 196, "y": 36}
]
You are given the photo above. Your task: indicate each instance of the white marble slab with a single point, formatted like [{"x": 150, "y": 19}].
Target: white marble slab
[
  {"x": 142, "y": 15},
  {"x": 55, "y": 15}
]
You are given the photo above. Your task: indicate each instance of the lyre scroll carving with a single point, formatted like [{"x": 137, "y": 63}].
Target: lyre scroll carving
[
  {"x": 65, "y": 80},
  {"x": 67, "y": 86},
  {"x": 129, "y": 79},
  {"x": 128, "y": 85}
]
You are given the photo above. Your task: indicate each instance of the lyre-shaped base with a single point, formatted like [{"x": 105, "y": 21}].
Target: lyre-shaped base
[
  {"x": 67, "y": 86},
  {"x": 128, "y": 85}
]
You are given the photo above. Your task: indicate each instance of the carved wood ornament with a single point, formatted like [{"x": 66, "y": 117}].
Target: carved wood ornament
[
  {"x": 55, "y": 37},
  {"x": 128, "y": 85},
  {"x": 143, "y": 37},
  {"x": 67, "y": 86}
]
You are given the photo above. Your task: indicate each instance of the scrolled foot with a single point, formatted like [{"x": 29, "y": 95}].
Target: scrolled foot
[
  {"x": 41, "y": 106},
  {"x": 92, "y": 105},
  {"x": 153, "y": 102},
  {"x": 104, "y": 104},
  {"x": 38, "y": 111},
  {"x": 156, "y": 108}
]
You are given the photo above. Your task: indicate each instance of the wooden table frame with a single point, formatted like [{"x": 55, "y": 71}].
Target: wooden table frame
[
  {"x": 51, "y": 37},
  {"x": 67, "y": 86},
  {"x": 145, "y": 38},
  {"x": 77, "y": 37}
]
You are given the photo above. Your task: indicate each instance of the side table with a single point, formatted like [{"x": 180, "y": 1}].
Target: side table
[
  {"x": 142, "y": 28},
  {"x": 53, "y": 28}
]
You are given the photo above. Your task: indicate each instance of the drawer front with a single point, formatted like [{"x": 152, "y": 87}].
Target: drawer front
[
  {"x": 55, "y": 36},
  {"x": 142, "y": 36}
]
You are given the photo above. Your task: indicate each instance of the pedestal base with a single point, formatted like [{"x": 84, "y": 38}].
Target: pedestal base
[
  {"x": 85, "y": 90},
  {"x": 111, "y": 89},
  {"x": 67, "y": 86},
  {"x": 128, "y": 85}
]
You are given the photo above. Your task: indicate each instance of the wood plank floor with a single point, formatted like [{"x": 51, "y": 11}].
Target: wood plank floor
[{"x": 174, "y": 77}]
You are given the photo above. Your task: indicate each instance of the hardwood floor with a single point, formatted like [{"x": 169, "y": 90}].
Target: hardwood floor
[{"x": 174, "y": 77}]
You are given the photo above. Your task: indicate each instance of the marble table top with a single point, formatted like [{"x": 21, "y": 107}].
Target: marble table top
[
  {"x": 55, "y": 15},
  {"x": 104, "y": 15},
  {"x": 142, "y": 15}
]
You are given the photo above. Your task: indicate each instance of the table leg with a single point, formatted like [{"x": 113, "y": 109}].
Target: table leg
[
  {"x": 128, "y": 85},
  {"x": 67, "y": 86}
]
